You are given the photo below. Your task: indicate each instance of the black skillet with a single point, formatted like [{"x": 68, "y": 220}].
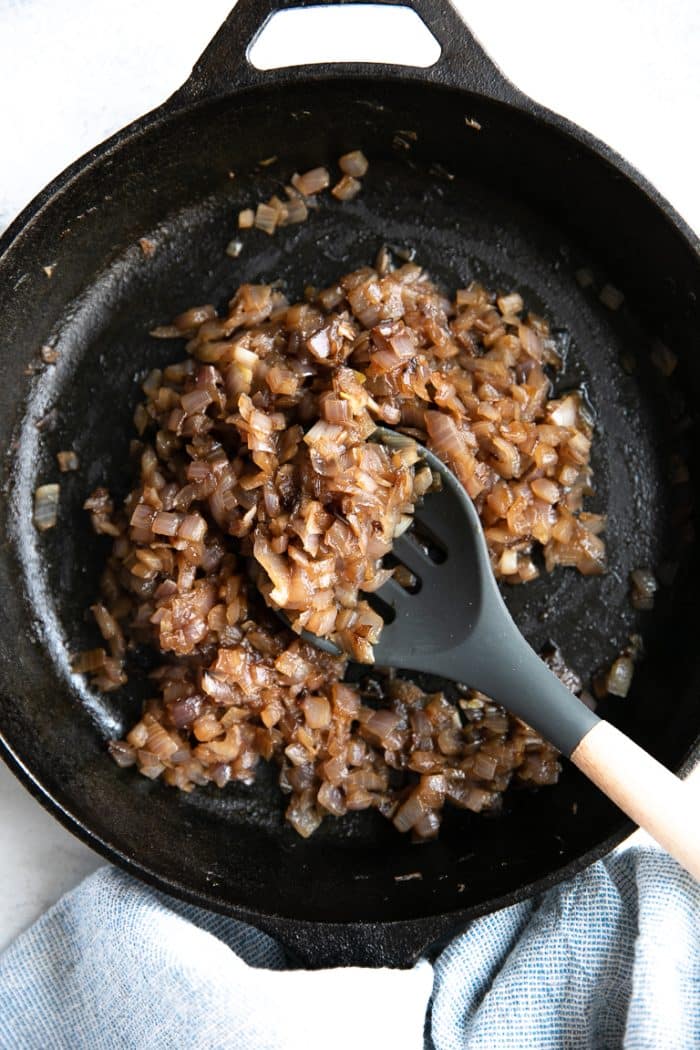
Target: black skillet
[{"x": 524, "y": 200}]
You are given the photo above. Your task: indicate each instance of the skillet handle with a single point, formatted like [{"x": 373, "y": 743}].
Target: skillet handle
[
  {"x": 224, "y": 66},
  {"x": 399, "y": 945}
]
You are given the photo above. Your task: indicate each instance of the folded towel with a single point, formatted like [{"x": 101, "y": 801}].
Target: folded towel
[{"x": 608, "y": 959}]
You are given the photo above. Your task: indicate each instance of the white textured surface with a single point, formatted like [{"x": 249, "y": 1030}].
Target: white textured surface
[
  {"x": 39, "y": 860},
  {"x": 73, "y": 72}
]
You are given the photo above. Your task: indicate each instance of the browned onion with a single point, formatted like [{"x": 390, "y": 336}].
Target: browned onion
[
  {"x": 311, "y": 182},
  {"x": 619, "y": 678},
  {"x": 257, "y": 488},
  {"x": 346, "y": 188},
  {"x": 46, "y": 500},
  {"x": 67, "y": 461},
  {"x": 354, "y": 163}
]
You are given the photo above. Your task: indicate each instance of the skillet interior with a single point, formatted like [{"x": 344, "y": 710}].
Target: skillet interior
[{"x": 526, "y": 208}]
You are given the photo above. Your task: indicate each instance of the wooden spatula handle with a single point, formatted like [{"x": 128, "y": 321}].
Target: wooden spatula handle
[{"x": 666, "y": 807}]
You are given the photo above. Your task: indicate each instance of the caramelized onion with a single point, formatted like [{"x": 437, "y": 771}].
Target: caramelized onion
[
  {"x": 354, "y": 163},
  {"x": 258, "y": 490},
  {"x": 311, "y": 182}
]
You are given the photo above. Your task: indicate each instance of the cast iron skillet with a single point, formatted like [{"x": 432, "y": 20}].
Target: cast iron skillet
[{"x": 523, "y": 202}]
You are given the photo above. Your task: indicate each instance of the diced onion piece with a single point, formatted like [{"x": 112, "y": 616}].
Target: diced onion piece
[
  {"x": 311, "y": 182},
  {"x": 67, "y": 461},
  {"x": 382, "y": 724},
  {"x": 346, "y": 188},
  {"x": 166, "y": 331},
  {"x": 485, "y": 767},
  {"x": 545, "y": 489},
  {"x": 663, "y": 358},
  {"x": 644, "y": 587},
  {"x": 304, "y": 820},
  {"x": 354, "y": 163},
  {"x": 89, "y": 661},
  {"x": 46, "y": 500},
  {"x": 644, "y": 581},
  {"x": 566, "y": 412},
  {"x": 196, "y": 401},
  {"x": 49, "y": 354},
  {"x": 508, "y": 564},
  {"x": 611, "y": 297},
  {"x": 142, "y": 517},
  {"x": 149, "y": 765},
  {"x": 266, "y": 218},
  {"x": 166, "y": 523},
  {"x": 194, "y": 317},
  {"x": 619, "y": 677},
  {"x": 192, "y": 527},
  {"x": 409, "y": 813},
  {"x": 122, "y": 754},
  {"x": 510, "y": 304},
  {"x": 317, "y": 711},
  {"x": 319, "y": 344},
  {"x": 297, "y": 210}
]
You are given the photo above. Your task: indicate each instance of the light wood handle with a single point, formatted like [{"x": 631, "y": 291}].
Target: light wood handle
[{"x": 654, "y": 798}]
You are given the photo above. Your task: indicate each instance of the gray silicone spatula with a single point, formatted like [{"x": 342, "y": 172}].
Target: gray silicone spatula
[{"x": 457, "y": 626}]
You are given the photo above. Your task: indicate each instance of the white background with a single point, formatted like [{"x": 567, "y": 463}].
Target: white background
[{"x": 73, "y": 71}]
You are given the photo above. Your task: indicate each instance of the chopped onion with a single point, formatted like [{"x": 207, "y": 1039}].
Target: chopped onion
[
  {"x": 266, "y": 218},
  {"x": 354, "y": 163},
  {"x": 192, "y": 527},
  {"x": 510, "y": 304},
  {"x": 317, "y": 711},
  {"x": 311, "y": 182},
  {"x": 508, "y": 564},
  {"x": 382, "y": 724},
  {"x": 611, "y": 297},
  {"x": 122, "y": 754},
  {"x": 196, "y": 401},
  {"x": 165, "y": 523},
  {"x": 319, "y": 345},
  {"x": 46, "y": 500},
  {"x": 258, "y": 483},
  {"x": 49, "y": 354},
  {"x": 619, "y": 677},
  {"x": 92, "y": 660},
  {"x": 346, "y": 188},
  {"x": 565, "y": 413},
  {"x": 67, "y": 461},
  {"x": 142, "y": 517},
  {"x": 663, "y": 358},
  {"x": 409, "y": 813},
  {"x": 546, "y": 490},
  {"x": 194, "y": 317},
  {"x": 644, "y": 587}
]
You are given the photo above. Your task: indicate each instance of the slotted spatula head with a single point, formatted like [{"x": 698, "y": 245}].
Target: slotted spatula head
[
  {"x": 446, "y": 551},
  {"x": 454, "y": 622}
]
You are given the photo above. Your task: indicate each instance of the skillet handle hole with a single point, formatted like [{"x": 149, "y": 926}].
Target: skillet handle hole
[{"x": 374, "y": 33}]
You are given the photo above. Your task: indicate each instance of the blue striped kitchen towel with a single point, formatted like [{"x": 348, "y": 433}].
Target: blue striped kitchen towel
[{"x": 609, "y": 959}]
